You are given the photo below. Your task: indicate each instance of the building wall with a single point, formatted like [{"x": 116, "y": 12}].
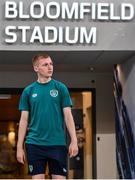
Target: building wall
[
  {"x": 111, "y": 34},
  {"x": 105, "y": 128}
]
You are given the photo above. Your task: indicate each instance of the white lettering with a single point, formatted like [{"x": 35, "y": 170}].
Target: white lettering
[
  {"x": 75, "y": 35},
  {"x": 32, "y": 9},
  {"x": 12, "y": 35},
  {"x": 36, "y": 35},
  {"x": 60, "y": 38},
  {"x": 86, "y": 37},
  {"x": 24, "y": 32},
  {"x": 51, "y": 34},
  {"x": 101, "y": 11},
  {"x": 84, "y": 8},
  {"x": 75, "y": 11},
  {"x": 21, "y": 11},
  {"x": 93, "y": 11},
  {"x": 10, "y": 9},
  {"x": 69, "y": 14},
  {"x": 50, "y": 6},
  {"x": 112, "y": 16},
  {"x": 130, "y": 9}
]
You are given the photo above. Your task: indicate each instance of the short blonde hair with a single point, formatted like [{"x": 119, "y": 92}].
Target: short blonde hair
[{"x": 37, "y": 57}]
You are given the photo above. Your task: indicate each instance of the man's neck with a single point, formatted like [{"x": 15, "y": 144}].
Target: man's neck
[{"x": 43, "y": 80}]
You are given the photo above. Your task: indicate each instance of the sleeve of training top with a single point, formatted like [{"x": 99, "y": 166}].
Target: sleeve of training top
[
  {"x": 66, "y": 99},
  {"x": 24, "y": 101}
]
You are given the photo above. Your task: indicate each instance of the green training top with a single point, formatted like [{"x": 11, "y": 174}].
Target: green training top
[{"x": 45, "y": 103}]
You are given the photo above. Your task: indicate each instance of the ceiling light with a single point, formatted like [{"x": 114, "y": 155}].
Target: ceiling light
[{"x": 92, "y": 69}]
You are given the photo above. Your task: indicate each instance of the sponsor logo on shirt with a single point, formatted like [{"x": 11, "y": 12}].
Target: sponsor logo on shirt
[
  {"x": 34, "y": 95},
  {"x": 54, "y": 93}
]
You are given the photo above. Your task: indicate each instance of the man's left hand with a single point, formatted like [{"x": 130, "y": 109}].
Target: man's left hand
[{"x": 73, "y": 149}]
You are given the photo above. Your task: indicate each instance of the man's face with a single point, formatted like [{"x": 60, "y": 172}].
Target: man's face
[{"x": 44, "y": 67}]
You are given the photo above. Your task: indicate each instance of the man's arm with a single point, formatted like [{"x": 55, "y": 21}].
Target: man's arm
[
  {"x": 73, "y": 148},
  {"x": 21, "y": 135}
]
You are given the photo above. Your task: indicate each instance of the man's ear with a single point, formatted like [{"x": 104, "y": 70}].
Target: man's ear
[{"x": 35, "y": 68}]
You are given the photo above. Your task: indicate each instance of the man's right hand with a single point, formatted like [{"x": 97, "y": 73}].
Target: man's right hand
[{"x": 20, "y": 155}]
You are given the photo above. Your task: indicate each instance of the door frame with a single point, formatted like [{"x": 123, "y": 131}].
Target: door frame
[{"x": 94, "y": 159}]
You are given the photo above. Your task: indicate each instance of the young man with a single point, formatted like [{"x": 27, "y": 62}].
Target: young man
[{"x": 45, "y": 105}]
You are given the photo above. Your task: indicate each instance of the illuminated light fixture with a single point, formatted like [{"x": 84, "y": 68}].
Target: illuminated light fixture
[
  {"x": 5, "y": 96},
  {"x": 11, "y": 137},
  {"x": 92, "y": 69}
]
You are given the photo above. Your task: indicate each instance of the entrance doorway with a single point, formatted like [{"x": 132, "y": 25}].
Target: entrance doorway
[
  {"x": 9, "y": 119},
  {"x": 80, "y": 166}
]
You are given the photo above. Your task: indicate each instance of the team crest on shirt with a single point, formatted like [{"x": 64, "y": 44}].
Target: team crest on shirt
[
  {"x": 34, "y": 95},
  {"x": 54, "y": 93},
  {"x": 30, "y": 168}
]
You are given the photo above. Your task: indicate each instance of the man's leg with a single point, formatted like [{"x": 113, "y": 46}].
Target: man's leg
[
  {"x": 58, "y": 163},
  {"x": 56, "y": 170},
  {"x": 58, "y": 177},
  {"x": 38, "y": 176}
]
